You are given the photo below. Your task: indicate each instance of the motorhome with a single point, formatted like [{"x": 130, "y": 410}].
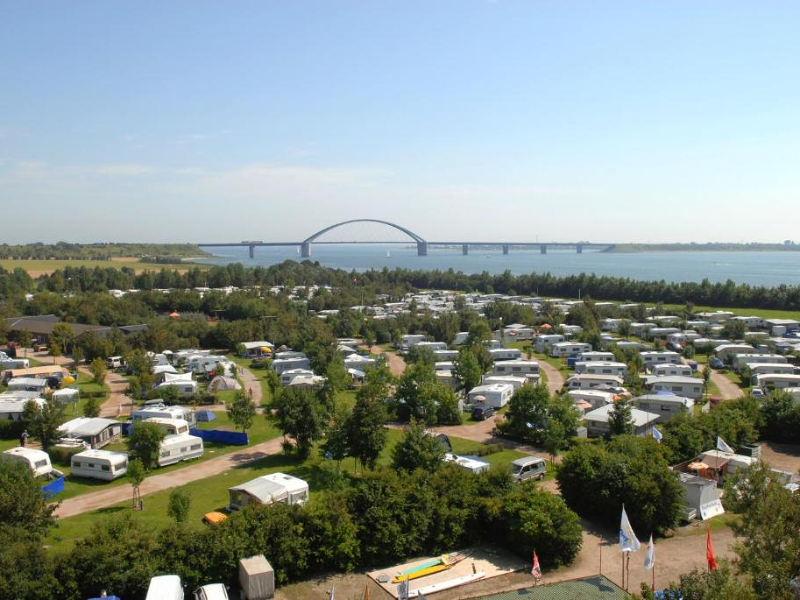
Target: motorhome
[
  {"x": 36, "y": 460},
  {"x": 568, "y": 349},
  {"x": 175, "y": 448},
  {"x": 99, "y": 464},
  {"x": 588, "y": 382},
  {"x": 601, "y": 368}
]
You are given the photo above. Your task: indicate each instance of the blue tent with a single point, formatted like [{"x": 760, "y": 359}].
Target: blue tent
[{"x": 205, "y": 415}]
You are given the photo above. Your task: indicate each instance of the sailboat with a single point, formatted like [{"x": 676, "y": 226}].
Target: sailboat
[{"x": 388, "y": 254}]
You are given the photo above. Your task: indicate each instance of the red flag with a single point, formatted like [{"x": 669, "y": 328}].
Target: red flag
[
  {"x": 712, "y": 563},
  {"x": 536, "y": 571}
]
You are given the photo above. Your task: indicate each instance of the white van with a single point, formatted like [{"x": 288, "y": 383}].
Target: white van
[
  {"x": 212, "y": 591},
  {"x": 529, "y": 467},
  {"x": 114, "y": 362},
  {"x": 175, "y": 448},
  {"x": 99, "y": 464},
  {"x": 165, "y": 587}
]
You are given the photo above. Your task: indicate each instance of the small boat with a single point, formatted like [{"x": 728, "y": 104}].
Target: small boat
[
  {"x": 446, "y": 585},
  {"x": 388, "y": 254},
  {"x": 437, "y": 565}
]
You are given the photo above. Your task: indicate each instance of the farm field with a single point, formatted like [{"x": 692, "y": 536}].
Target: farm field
[{"x": 44, "y": 267}]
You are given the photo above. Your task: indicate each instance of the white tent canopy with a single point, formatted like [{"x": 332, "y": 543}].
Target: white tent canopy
[{"x": 219, "y": 384}]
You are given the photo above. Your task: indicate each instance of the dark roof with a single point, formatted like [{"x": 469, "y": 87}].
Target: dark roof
[
  {"x": 590, "y": 588},
  {"x": 43, "y": 325}
]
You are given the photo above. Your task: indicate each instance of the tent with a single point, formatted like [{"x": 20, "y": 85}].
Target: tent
[
  {"x": 205, "y": 415},
  {"x": 220, "y": 383}
]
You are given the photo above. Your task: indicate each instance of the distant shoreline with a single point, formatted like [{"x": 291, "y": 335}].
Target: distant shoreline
[{"x": 710, "y": 247}]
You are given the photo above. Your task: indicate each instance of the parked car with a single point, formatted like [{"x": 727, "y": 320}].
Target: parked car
[
  {"x": 213, "y": 591},
  {"x": 716, "y": 363},
  {"x": 757, "y": 393},
  {"x": 529, "y": 467},
  {"x": 481, "y": 413}
]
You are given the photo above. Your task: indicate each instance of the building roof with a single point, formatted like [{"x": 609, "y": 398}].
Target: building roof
[
  {"x": 589, "y": 588},
  {"x": 43, "y": 325},
  {"x": 638, "y": 417},
  {"x": 85, "y": 426}
]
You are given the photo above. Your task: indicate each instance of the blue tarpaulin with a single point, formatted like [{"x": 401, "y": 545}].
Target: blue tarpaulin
[
  {"x": 234, "y": 438},
  {"x": 54, "y": 487}
]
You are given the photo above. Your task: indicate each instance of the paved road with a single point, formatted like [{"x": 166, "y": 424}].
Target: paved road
[{"x": 157, "y": 483}]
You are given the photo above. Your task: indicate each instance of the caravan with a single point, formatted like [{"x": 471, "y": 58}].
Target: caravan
[
  {"x": 36, "y": 460},
  {"x": 99, "y": 464},
  {"x": 175, "y": 448}
]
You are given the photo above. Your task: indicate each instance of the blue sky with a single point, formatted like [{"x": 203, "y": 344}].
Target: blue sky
[{"x": 505, "y": 119}]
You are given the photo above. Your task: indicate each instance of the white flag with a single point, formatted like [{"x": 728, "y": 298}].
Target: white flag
[
  {"x": 650, "y": 556},
  {"x": 657, "y": 435},
  {"x": 723, "y": 447},
  {"x": 627, "y": 538}
]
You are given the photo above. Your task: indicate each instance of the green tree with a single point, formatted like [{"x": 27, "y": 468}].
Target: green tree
[
  {"x": 620, "y": 419},
  {"x": 418, "y": 450},
  {"x": 528, "y": 411},
  {"x": 241, "y": 411},
  {"x": 55, "y": 350},
  {"x": 98, "y": 369},
  {"x": 414, "y": 396},
  {"x": 44, "y": 421},
  {"x": 337, "y": 440},
  {"x": 136, "y": 474},
  {"x": 22, "y": 504},
  {"x": 63, "y": 336},
  {"x": 534, "y": 519},
  {"x": 467, "y": 371},
  {"x": 367, "y": 433},
  {"x": 719, "y": 584},
  {"x": 479, "y": 332},
  {"x": 144, "y": 443},
  {"x": 92, "y": 407},
  {"x": 24, "y": 339},
  {"x": 300, "y": 415},
  {"x": 179, "y": 503}
]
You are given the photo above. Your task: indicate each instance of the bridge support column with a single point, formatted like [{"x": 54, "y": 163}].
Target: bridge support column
[
  {"x": 543, "y": 249},
  {"x": 422, "y": 248},
  {"x": 305, "y": 249},
  {"x": 505, "y": 248},
  {"x": 465, "y": 249},
  {"x": 252, "y": 250}
]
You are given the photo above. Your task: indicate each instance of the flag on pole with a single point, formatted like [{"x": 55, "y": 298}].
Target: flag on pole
[
  {"x": 366, "y": 592},
  {"x": 536, "y": 570},
  {"x": 657, "y": 435},
  {"x": 723, "y": 447},
  {"x": 650, "y": 555},
  {"x": 712, "y": 563},
  {"x": 627, "y": 538},
  {"x": 332, "y": 593}
]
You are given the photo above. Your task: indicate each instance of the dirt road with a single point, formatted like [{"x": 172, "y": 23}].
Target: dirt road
[
  {"x": 397, "y": 365},
  {"x": 555, "y": 379},
  {"x": 727, "y": 389},
  {"x": 251, "y": 385},
  {"x": 157, "y": 483}
]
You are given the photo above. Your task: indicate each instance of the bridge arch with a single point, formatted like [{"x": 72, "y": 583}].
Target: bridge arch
[{"x": 422, "y": 245}]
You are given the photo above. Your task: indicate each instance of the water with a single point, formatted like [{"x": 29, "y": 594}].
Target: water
[{"x": 755, "y": 268}]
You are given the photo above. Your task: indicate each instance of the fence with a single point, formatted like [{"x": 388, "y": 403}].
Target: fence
[
  {"x": 234, "y": 438},
  {"x": 54, "y": 487}
]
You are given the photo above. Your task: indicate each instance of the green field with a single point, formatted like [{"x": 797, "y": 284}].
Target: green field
[
  {"x": 212, "y": 493},
  {"x": 765, "y": 313},
  {"x": 42, "y": 267}
]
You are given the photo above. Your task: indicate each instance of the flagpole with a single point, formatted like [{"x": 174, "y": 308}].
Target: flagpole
[
  {"x": 601, "y": 553},
  {"x": 628, "y": 570}
]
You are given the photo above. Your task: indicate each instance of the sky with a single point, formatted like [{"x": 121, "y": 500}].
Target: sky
[{"x": 512, "y": 120}]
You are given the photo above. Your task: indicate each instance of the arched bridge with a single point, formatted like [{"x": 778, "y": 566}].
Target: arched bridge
[{"x": 422, "y": 244}]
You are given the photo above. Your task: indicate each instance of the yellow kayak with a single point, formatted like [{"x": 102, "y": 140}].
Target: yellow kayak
[{"x": 422, "y": 573}]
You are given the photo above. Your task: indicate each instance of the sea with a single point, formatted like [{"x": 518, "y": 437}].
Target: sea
[{"x": 754, "y": 268}]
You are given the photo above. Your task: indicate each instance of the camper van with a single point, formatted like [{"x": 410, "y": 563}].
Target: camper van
[
  {"x": 529, "y": 467},
  {"x": 175, "y": 448},
  {"x": 36, "y": 460},
  {"x": 165, "y": 587},
  {"x": 99, "y": 464}
]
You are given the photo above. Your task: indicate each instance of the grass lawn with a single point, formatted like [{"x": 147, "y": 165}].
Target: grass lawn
[
  {"x": 735, "y": 378},
  {"x": 755, "y": 312},
  {"x": 212, "y": 493},
  {"x": 41, "y": 267}
]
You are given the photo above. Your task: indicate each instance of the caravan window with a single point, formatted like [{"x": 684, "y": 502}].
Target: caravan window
[
  {"x": 105, "y": 468},
  {"x": 76, "y": 464},
  {"x": 40, "y": 463},
  {"x": 165, "y": 453},
  {"x": 196, "y": 447}
]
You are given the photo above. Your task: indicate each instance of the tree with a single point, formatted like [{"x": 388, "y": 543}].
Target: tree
[
  {"x": 528, "y": 411},
  {"x": 24, "y": 339},
  {"x": 144, "y": 443},
  {"x": 179, "y": 503},
  {"x": 44, "y": 421},
  {"x": 479, "y": 332},
  {"x": 241, "y": 411},
  {"x": 367, "y": 433},
  {"x": 467, "y": 371},
  {"x": 734, "y": 329},
  {"x": 532, "y": 519},
  {"x": 597, "y": 479},
  {"x": 136, "y": 474},
  {"x": 719, "y": 584},
  {"x": 98, "y": 369},
  {"x": 22, "y": 504},
  {"x": 62, "y": 336},
  {"x": 92, "y": 408},
  {"x": 55, "y": 350},
  {"x": 620, "y": 419},
  {"x": 412, "y": 397},
  {"x": 418, "y": 450},
  {"x": 300, "y": 415},
  {"x": 337, "y": 441}
]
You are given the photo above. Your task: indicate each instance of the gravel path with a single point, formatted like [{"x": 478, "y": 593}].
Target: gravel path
[
  {"x": 555, "y": 379},
  {"x": 397, "y": 365}
]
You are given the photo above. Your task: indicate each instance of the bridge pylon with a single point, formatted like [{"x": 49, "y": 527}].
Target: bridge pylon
[
  {"x": 422, "y": 248},
  {"x": 305, "y": 249}
]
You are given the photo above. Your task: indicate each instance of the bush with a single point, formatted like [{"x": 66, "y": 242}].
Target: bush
[{"x": 11, "y": 430}]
